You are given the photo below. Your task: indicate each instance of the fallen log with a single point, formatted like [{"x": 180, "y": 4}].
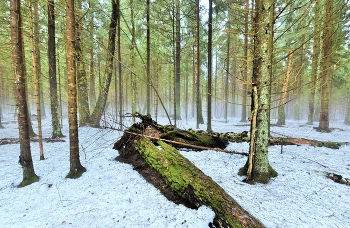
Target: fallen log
[
  {"x": 179, "y": 177},
  {"x": 5, "y": 141},
  {"x": 301, "y": 141}
]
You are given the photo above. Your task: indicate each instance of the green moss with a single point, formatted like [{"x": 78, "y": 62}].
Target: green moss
[
  {"x": 261, "y": 178},
  {"x": 332, "y": 145},
  {"x": 243, "y": 171},
  {"x": 29, "y": 181},
  {"x": 265, "y": 177},
  {"x": 187, "y": 180},
  {"x": 76, "y": 173}
]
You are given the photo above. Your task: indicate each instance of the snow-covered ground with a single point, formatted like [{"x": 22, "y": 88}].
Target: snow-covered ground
[{"x": 112, "y": 194}]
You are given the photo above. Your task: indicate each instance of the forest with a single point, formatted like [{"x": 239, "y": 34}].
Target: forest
[{"x": 126, "y": 65}]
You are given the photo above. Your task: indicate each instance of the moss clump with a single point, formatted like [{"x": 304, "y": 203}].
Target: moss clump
[
  {"x": 332, "y": 145},
  {"x": 262, "y": 178},
  {"x": 27, "y": 181},
  {"x": 75, "y": 174}
]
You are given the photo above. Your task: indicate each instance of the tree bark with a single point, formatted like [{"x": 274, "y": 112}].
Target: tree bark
[
  {"x": 281, "y": 107},
  {"x": 148, "y": 50},
  {"x": 347, "y": 113},
  {"x": 25, "y": 158},
  {"x": 36, "y": 79},
  {"x": 38, "y": 55},
  {"x": 227, "y": 75},
  {"x": 199, "y": 118},
  {"x": 120, "y": 86},
  {"x": 177, "y": 86},
  {"x": 132, "y": 60},
  {"x": 245, "y": 64},
  {"x": 92, "y": 88},
  {"x": 326, "y": 69},
  {"x": 51, "y": 52},
  {"x": 261, "y": 171},
  {"x": 210, "y": 32},
  {"x": 76, "y": 169},
  {"x": 83, "y": 98}
]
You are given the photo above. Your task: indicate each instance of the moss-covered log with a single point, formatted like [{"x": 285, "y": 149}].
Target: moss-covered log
[
  {"x": 192, "y": 184},
  {"x": 179, "y": 175}
]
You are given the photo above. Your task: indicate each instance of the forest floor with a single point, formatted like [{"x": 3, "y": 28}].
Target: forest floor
[{"x": 112, "y": 194}]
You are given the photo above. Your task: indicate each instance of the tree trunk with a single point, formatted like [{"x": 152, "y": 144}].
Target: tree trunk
[
  {"x": 326, "y": 70},
  {"x": 227, "y": 75},
  {"x": 314, "y": 64},
  {"x": 257, "y": 167},
  {"x": 281, "y": 107},
  {"x": 210, "y": 32},
  {"x": 132, "y": 61},
  {"x": 200, "y": 119},
  {"x": 25, "y": 158},
  {"x": 38, "y": 55},
  {"x": 55, "y": 112},
  {"x": 92, "y": 88},
  {"x": 76, "y": 169},
  {"x": 347, "y": 113},
  {"x": 177, "y": 92},
  {"x": 120, "y": 69},
  {"x": 36, "y": 80},
  {"x": 245, "y": 64},
  {"x": 1, "y": 99},
  {"x": 180, "y": 176},
  {"x": 83, "y": 99},
  {"x": 148, "y": 50},
  {"x": 103, "y": 93}
]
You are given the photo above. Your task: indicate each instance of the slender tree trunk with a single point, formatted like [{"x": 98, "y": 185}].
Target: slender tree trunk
[
  {"x": 194, "y": 83},
  {"x": 132, "y": 61},
  {"x": 227, "y": 75},
  {"x": 301, "y": 52},
  {"x": 36, "y": 79},
  {"x": 148, "y": 95},
  {"x": 281, "y": 107},
  {"x": 347, "y": 113},
  {"x": 245, "y": 64},
  {"x": 1, "y": 126},
  {"x": 25, "y": 158},
  {"x": 120, "y": 68},
  {"x": 2, "y": 100},
  {"x": 83, "y": 99},
  {"x": 234, "y": 74},
  {"x": 326, "y": 69},
  {"x": 103, "y": 93},
  {"x": 177, "y": 93},
  {"x": 216, "y": 84},
  {"x": 76, "y": 169},
  {"x": 55, "y": 112},
  {"x": 38, "y": 55},
  {"x": 257, "y": 167},
  {"x": 186, "y": 91},
  {"x": 200, "y": 119},
  {"x": 210, "y": 32},
  {"x": 92, "y": 88},
  {"x": 314, "y": 65}
]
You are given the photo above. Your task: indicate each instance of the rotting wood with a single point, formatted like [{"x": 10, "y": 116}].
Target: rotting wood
[{"x": 180, "y": 175}]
